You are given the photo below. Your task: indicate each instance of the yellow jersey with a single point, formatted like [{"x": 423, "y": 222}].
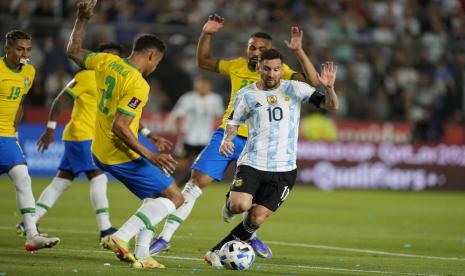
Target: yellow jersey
[
  {"x": 83, "y": 89},
  {"x": 120, "y": 88},
  {"x": 14, "y": 85},
  {"x": 241, "y": 75}
]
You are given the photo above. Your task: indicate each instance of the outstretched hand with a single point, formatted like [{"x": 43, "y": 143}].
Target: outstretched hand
[
  {"x": 86, "y": 8},
  {"x": 327, "y": 77},
  {"x": 45, "y": 140},
  {"x": 213, "y": 25},
  {"x": 296, "y": 39}
]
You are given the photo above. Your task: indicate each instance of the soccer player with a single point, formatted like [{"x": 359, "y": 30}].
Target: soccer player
[
  {"x": 16, "y": 77},
  {"x": 116, "y": 149},
  {"x": 266, "y": 169},
  {"x": 77, "y": 137},
  {"x": 194, "y": 115},
  {"x": 210, "y": 165}
]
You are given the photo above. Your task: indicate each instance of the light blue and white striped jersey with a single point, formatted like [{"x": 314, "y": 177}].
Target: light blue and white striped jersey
[{"x": 272, "y": 118}]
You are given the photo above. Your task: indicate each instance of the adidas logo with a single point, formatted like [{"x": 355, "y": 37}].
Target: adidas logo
[{"x": 258, "y": 104}]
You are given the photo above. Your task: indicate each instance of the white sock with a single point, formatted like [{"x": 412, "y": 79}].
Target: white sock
[
  {"x": 50, "y": 195},
  {"x": 152, "y": 211},
  {"x": 143, "y": 239},
  {"x": 190, "y": 192},
  {"x": 24, "y": 197},
  {"x": 98, "y": 197}
]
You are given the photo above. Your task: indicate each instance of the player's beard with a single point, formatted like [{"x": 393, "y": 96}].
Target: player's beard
[{"x": 270, "y": 84}]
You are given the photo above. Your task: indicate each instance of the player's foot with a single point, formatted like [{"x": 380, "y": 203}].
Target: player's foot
[
  {"x": 120, "y": 247},
  {"x": 38, "y": 242},
  {"x": 260, "y": 248},
  {"x": 148, "y": 262},
  {"x": 159, "y": 245},
  {"x": 227, "y": 215},
  {"x": 21, "y": 230},
  {"x": 213, "y": 258},
  {"x": 107, "y": 232}
]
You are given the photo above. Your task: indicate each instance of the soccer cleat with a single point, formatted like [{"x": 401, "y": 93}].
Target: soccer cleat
[
  {"x": 159, "y": 245},
  {"x": 120, "y": 247},
  {"x": 261, "y": 250},
  {"x": 148, "y": 262},
  {"x": 21, "y": 230},
  {"x": 213, "y": 258},
  {"x": 108, "y": 232},
  {"x": 38, "y": 242},
  {"x": 227, "y": 215}
]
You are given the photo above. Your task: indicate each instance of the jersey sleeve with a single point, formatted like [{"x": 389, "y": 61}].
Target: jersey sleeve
[
  {"x": 223, "y": 66},
  {"x": 181, "y": 106},
  {"x": 133, "y": 100},
  {"x": 303, "y": 90},
  {"x": 239, "y": 112},
  {"x": 77, "y": 85},
  {"x": 96, "y": 61},
  {"x": 288, "y": 73}
]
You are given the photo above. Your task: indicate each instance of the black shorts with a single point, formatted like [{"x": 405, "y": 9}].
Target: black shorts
[
  {"x": 192, "y": 151},
  {"x": 268, "y": 189}
]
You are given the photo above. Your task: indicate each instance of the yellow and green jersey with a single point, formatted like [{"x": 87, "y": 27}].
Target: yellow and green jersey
[
  {"x": 83, "y": 89},
  {"x": 121, "y": 88},
  {"x": 14, "y": 85},
  {"x": 241, "y": 75}
]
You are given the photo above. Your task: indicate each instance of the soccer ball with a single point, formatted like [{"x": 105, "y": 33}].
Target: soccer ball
[{"x": 237, "y": 255}]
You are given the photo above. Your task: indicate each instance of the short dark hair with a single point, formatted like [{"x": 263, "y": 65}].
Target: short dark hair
[
  {"x": 271, "y": 54},
  {"x": 148, "y": 41},
  {"x": 17, "y": 34},
  {"x": 262, "y": 35},
  {"x": 109, "y": 45}
]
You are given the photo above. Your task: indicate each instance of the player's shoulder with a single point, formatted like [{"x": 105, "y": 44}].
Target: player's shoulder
[
  {"x": 238, "y": 61},
  {"x": 85, "y": 74}
]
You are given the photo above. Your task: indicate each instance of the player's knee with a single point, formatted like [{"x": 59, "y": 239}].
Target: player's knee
[
  {"x": 258, "y": 219},
  {"x": 239, "y": 206},
  {"x": 177, "y": 199},
  {"x": 199, "y": 179}
]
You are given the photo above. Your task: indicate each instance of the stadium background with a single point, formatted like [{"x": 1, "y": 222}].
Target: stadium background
[{"x": 401, "y": 77}]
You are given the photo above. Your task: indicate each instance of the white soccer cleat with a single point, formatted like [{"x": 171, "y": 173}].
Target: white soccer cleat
[
  {"x": 38, "y": 242},
  {"x": 213, "y": 258},
  {"x": 227, "y": 215}
]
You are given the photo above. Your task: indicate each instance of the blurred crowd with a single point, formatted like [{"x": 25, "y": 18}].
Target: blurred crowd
[{"x": 400, "y": 60}]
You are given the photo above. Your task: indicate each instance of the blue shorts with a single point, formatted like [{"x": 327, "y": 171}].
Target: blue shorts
[
  {"x": 11, "y": 154},
  {"x": 77, "y": 157},
  {"x": 141, "y": 177},
  {"x": 211, "y": 162}
]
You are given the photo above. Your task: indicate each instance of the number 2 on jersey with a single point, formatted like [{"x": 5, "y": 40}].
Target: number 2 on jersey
[{"x": 110, "y": 82}]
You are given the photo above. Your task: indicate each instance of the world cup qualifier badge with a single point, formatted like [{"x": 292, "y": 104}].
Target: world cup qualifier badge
[{"x": 134, "y": 103}]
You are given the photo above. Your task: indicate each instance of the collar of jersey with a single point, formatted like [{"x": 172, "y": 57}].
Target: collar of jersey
[
  {"x": 15, "y": 70},
  {"x": 127, "y": 62}
]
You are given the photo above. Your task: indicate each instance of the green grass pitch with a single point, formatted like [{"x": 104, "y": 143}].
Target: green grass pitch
[{"x": 344, "y": 232}]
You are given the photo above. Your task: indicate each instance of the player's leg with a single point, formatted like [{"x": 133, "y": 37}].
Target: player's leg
[
  {"x": 26, "y": 203},
  {"x": 98, "y": 196},
  {"x": 53, "y": 192},
  {"x": 160, "y": 194},
  {"x": 209, "y": 165}
]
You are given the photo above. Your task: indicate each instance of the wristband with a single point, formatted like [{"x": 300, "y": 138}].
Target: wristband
[
  {"x": 51, "y": 124},
  {"x": 145, "y": 131}
]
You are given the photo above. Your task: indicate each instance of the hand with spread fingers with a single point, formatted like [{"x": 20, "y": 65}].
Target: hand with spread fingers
[
  {"x": 213, "y": 25},
  {"x": 86, "y": 8},
  {"x": 165, "y": 161},
  {"x": 296, "y": 39},
  {"x": 327, "y": 77},
  {"x": 45, "y": 140}
]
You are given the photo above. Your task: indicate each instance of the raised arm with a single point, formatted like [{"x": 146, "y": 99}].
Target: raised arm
[
  {"x": 74, "y": 49},
  {"x": 48, "y": 136},
  {"x": 310, "y": 73},
  {"x": 120, "y": 128},
  {"x": 205, "y": 59},
  {"x": 327, "y": 79}
]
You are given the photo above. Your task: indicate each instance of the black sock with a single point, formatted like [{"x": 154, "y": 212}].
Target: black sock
[{"x": 243, "y": 231}]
